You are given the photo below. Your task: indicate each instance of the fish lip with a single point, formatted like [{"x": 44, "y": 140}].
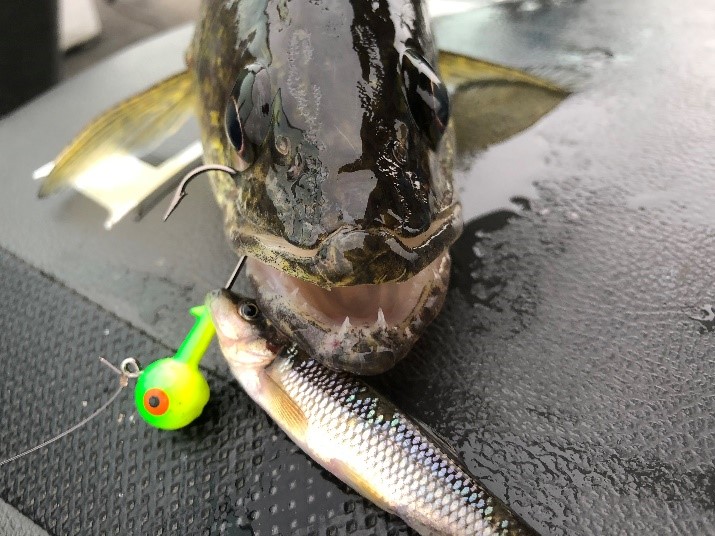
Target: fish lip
[
  {"x": 354, "y": 256},
  {"x": 362, "y": 338}
]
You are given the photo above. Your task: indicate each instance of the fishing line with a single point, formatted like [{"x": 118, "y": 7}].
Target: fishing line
[
  {"x": 129, "y": 369},
  {"x": 187, "y": 358}
]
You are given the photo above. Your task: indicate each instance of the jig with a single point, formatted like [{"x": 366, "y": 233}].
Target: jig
[{"x": 172, "y": 392}]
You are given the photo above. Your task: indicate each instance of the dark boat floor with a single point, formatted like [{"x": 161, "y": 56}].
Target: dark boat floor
[{"x": 573, "y": 365}]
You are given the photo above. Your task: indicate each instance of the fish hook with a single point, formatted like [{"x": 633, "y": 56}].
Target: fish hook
[{"x": 180, "y": 192}]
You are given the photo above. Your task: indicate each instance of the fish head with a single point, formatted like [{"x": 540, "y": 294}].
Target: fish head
[
  {"x": 247, "y": 337},
  {"x": 338, "y": 124}
]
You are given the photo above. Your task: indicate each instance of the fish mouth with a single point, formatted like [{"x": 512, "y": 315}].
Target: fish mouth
[
  {"x": 353, "y": 256},
  {"x": 363, "y": 329}
]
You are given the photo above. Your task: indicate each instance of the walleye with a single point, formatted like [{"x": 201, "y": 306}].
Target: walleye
[
  {"x": 355, "y": 432},
  {"x": 335, "y": 116}
]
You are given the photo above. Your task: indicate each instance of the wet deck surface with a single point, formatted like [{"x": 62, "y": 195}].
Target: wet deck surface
[{"x": 572, "y": 367}]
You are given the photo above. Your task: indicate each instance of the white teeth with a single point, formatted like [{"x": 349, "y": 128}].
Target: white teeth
[
  {"x": 294, "y": 292},
  {"x": 272, "y": 286},
  {"x": 381, "y": 319},
  {"x": 436, "y": 273},
  {"x": 408, "y": 332},
  {"x": 344, "y": 328}
]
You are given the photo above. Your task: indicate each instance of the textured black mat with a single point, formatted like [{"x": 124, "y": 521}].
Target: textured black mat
[{"x": 228, "y": 472}]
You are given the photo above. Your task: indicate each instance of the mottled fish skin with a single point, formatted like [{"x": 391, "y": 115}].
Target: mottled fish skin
[
  {"x": 344, "y": 185},
  {"x": 358, "y": 434},
  {"x": 335, "y": 117}
]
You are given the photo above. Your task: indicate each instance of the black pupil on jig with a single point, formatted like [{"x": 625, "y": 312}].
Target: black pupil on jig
[{"x": 154, "y": 401}]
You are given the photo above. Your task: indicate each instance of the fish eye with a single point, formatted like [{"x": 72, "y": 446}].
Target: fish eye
[
  {"x": 426, "y": 95},
  {"x": 233, "y": 126},
  {"x": 248, "y": 114},
  {"x": 156, "y": 401},
  {"x": 248, "y": 311}
]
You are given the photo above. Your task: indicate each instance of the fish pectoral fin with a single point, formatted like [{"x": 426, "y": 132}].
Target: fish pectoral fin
[
  {"x": 459, "y": 70},
  {"x": 133, "y": 127},
  {"x": 283, "y": 409},
  {"x": 491, "y": 103}
]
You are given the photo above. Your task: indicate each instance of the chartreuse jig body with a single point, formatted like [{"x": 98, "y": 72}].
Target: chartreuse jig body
[{"x": 171, "y": 392}]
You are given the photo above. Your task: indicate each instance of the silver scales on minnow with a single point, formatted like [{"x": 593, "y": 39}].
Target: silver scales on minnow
[
  {"x": 327, "y": 130},
  {"x": 355, "y": 432}
]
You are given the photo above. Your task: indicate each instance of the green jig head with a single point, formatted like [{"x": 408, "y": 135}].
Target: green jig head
[{"x": 171, "y": 392}]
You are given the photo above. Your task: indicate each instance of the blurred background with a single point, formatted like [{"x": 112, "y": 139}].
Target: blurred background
[{"x": 44, "y": 41}]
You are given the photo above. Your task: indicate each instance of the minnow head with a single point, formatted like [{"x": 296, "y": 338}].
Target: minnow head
[
  {"x": 337, "y": 120},
  {"x": 247, "y": 337}
]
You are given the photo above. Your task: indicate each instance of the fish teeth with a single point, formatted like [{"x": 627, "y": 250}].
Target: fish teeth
[
  {"x": 381, "y": 323},
  {"x": 345, "y": 327}
]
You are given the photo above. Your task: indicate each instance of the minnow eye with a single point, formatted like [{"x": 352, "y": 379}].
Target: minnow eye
[
  {"x": 426, "y": 95},
  {"x": 156, "y": 401},
  {"x": 249, "y": 311},
  {"x": 248, "y": 114}
]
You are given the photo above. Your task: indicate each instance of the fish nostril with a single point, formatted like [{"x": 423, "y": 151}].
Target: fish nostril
[
  {"x": 283, "y": 145},
  {"x": 297, "y": 168}
]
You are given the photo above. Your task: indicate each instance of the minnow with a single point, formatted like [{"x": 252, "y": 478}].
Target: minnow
[
  {"x": 355, "y": 432},
  {"x": 337, "y": 121}
]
